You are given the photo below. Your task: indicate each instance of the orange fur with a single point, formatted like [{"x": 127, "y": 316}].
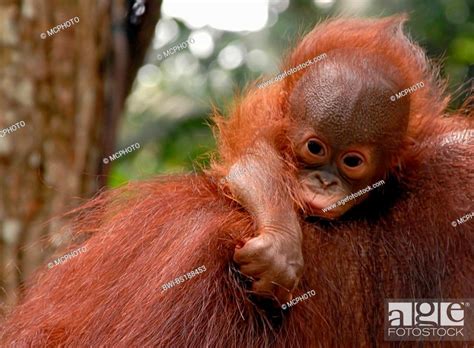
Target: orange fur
[{"x": 146, "y": 234}]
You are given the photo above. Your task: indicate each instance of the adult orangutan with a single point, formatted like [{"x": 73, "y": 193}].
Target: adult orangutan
[{"x": 280, "y": 150}]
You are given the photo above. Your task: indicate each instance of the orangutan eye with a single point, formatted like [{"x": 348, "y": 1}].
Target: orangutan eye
[
  {"x": 316, "y": 148},
  {"x": 353, "y": 161}
]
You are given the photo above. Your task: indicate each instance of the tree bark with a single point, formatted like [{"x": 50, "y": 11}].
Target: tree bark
[{"x": 68, "y": 87}]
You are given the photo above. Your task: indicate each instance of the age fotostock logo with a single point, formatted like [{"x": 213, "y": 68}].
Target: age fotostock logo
[{"x": 429, "y": 320}]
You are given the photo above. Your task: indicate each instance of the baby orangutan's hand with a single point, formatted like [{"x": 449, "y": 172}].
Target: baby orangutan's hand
[{"x": 274, "y": 260}]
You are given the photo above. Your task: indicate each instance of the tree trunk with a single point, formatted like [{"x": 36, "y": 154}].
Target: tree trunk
[{"x": 61, "y": 91}]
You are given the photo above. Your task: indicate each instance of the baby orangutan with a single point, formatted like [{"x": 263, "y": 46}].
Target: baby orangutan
[
  {"x": 287, "y": 150},
  {"x": 346, "y": 133}
]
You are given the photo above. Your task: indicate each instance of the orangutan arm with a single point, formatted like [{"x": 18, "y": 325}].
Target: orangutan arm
[{"x": 274, "y": 257}]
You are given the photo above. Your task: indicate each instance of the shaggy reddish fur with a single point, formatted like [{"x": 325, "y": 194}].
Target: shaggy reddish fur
[{"x": 398, "y": 244}]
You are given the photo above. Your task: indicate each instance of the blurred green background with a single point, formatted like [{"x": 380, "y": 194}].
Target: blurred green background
[{"x": 168, "y": 110}]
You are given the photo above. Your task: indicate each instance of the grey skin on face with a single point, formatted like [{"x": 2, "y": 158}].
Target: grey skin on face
[{"x": 347, "y": 128}]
